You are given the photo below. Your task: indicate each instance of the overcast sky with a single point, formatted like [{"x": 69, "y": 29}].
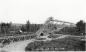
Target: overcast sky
[{"x": 37, "y": 11}]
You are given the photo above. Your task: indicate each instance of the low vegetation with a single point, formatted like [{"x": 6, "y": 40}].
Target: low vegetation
[
  {"x": 65, "y": 44},
  {"x": 15, "y": 39},
  {"x": 54, "y": 36},
  {"x": 40, "y": 38}
]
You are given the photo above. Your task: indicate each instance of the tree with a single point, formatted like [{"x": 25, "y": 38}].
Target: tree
[
  {"x": 81, "y": 27},
  {"x": 28, "y": 25}
]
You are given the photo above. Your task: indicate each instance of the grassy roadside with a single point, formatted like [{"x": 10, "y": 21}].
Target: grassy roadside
[{"x": 65, "y": 44}]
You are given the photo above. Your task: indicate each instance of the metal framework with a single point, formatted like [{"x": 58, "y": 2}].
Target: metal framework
[{"x": 54, "y": 22}]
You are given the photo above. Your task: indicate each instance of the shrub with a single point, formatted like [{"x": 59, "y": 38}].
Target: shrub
[
  {"x": 53, "y": 36},
  {"x": 40, "y": 38}
]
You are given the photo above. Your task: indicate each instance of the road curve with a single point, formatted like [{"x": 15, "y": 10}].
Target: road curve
[{"x": 17, "y": 46}]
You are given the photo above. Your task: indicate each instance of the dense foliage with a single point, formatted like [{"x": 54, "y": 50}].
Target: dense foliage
[
  {"x": 28, "y": 27},
  {"x": 81, "y": 27},
  {"x": 10, "y": 29},
  {"x": 5, "y": 27},
  {"x": 31, "y": 27}
]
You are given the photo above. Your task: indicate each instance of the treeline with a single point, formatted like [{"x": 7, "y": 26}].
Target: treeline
[
  {"x": 9, "y": 28},
  {"x": 78, "y": 30},
  {"x": 5, "y": 27},
  {"x": 28, "y": 27}
]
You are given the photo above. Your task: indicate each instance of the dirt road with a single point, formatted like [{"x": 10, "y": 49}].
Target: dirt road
[{"x": 17, "y": 46}]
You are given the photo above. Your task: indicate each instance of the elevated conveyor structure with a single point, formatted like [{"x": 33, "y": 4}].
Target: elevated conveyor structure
[{"x": 56, "y": 22}]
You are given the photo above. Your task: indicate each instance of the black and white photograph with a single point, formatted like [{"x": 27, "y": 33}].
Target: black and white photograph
[{"x": 42, "y": 25}]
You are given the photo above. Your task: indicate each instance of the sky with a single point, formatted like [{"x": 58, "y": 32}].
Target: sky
[{"x": 37, "y": 11}]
